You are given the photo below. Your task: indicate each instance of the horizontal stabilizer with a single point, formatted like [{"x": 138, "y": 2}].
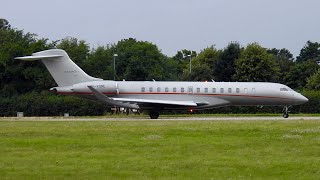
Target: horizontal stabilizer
[
  {"x": 110, "y": 101},
  {"x": 34, "y": 58}
]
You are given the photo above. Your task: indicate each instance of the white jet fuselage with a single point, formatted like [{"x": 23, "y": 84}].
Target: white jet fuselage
[{"x": 205, "y": 94}]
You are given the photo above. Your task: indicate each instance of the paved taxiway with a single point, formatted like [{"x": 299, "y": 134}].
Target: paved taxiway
[{"x": 274, "y": 118}]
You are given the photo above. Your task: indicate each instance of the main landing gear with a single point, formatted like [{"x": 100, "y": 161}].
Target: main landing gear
[
  {"x": 154, "y": 114},
  {"x": 285, "y": 111}
]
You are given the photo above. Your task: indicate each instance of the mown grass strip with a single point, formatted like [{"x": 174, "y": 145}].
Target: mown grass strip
[{"x": 160, "y": 149}]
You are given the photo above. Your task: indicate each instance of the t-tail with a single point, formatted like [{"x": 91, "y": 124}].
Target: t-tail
[{"x": 63, "y": 70}]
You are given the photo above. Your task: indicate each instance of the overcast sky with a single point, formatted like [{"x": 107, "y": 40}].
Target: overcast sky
[{"x": 171, "y": 24}]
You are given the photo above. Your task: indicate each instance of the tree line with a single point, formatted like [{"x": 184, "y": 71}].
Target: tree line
[{"x": 24, "y": 85}]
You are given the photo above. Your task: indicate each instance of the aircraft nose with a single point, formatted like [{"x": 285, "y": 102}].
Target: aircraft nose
[{"x": 300, "y": 99}]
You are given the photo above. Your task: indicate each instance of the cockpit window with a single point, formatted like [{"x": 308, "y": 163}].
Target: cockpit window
[{"x": 284, "y": 89}]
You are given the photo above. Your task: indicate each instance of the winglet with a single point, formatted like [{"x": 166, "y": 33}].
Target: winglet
[{"x": 110, "y": 101}]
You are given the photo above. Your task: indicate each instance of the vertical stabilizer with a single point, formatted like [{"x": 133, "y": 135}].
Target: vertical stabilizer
[{"x": 63, "y": 70}]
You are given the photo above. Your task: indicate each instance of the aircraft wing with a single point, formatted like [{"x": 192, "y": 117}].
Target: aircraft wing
[
  {"x": 111, "y": 101},
  {"x": 153, "y": 101},
  {"x": 215, "y": 102},
  {"x": 134, "y": 103}
]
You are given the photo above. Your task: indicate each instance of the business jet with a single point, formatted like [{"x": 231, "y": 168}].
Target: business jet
[{"x": 157, "y": 96}]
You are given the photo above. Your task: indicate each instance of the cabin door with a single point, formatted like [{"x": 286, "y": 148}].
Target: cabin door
[{"x": 190, "y": 90}]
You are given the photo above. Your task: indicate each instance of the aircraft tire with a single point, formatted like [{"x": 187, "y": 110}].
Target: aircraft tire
[
  {"x": 285, "y": 115},
  {"x": 154, "y": 115}
]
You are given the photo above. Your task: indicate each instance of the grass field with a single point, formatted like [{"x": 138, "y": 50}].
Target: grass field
[{"x": 160, "y": 150}]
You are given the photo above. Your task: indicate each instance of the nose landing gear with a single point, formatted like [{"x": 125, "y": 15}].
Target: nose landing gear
[{"x": 285, "y": 111}]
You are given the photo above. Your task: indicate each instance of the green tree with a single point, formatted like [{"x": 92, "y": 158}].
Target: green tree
[
  {"x": 184, "y": 54},
  {"x": 224, "y": 67},
  {"x": 78, "y": 50},
  {"x": 285, "y": 61},
  {"x": 311, "y": 51},
  {"x": 179, "y": 63},
  {"x": 16, "y": 76},
  {"x": 200, "y": 72},
  {"x": 4, "y": 24},
  {"x": 313, "y": 82},
  {"x": 139, "y": 60},
  {"x": 207, "y": 57},
  {"x": 256, "y": 64},
  {"x": 100, "y": 62},
  {"x": 299, "y": 73},
  {"x": 173, "y": 69}
]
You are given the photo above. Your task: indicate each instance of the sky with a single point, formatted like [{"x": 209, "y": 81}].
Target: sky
[{"x": 170, "y": 24}]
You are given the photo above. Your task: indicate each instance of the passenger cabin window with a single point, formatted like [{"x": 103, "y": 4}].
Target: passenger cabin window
[
  {"x": 182, "y": 89},
  {"x": 198, "y": 90},
  {"x": 143, "y": 89},
  {"x": 253, "y": 90},
  {"x": 245, "y": 90},
  {"x": 221, "y": 90},
  {"x": 213, "y": 90},
  {"x": 174, "y": 89},
  {"x": 150, "y": 89},
  {"x": 284, "y": 89},
  {"x": 237, "y": 90},
  {"x": 229, "y": 90},
  {"x": 159, "y": 89},
  {"x": 206, "y": 90},
  {"x": 166, "y": 89},
  {"x": 190, "y": 89}
]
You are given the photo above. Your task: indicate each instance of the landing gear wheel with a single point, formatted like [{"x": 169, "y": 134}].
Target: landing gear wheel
[
  {"x": 285, "y": 115},
  {"x": 285, "y": 111},
  {"x": 154, "y": 114}
]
